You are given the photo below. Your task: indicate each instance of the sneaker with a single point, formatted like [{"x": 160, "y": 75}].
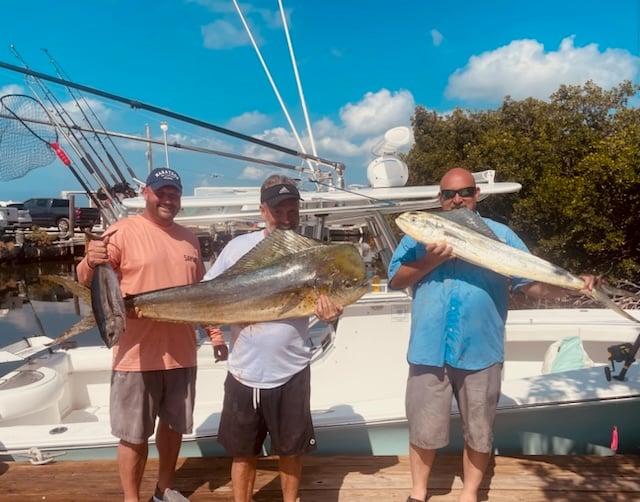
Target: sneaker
[{"x": 169, "y": 495}]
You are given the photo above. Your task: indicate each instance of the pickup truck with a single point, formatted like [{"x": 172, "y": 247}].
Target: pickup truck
[
  {"x": 8, "y": 218},
  {"x": 48, "y": 212},
  {"x": 14, "y": 215}
]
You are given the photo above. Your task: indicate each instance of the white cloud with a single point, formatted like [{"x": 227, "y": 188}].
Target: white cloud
[
  {"x": 268, "y": 17},
  {"x": 362, "y": 126},
  {"x": 229, "y": 32},
  {"x": 436, "y": 37},
  {"x": 249, "y": 121},
  {"x": 279, "y": 136},
  {"x": 377, "y": 112},
  {"x": 252, "y": 173},
  {"x": 224, "y": 35},
  {"x": 11, "y": 89},
  {"x": 523, "y": 69},
  {"x": 88, "y": 105}
]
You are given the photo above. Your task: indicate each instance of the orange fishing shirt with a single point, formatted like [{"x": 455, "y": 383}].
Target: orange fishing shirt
[{"x": 147, "y": 257}]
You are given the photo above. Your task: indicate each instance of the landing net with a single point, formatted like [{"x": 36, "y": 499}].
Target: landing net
[{"x": 26, "y": 136}]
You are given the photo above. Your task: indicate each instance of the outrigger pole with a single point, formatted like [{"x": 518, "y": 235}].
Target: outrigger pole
[
  {"x": 339, "y": 166},
  {"x": 174, "y": 144}
]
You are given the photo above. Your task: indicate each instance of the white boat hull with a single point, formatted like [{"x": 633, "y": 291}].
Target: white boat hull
[{"x": 358, "y": 383}]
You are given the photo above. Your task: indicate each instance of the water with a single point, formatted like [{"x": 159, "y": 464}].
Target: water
[{"x": 34, "y": 307}]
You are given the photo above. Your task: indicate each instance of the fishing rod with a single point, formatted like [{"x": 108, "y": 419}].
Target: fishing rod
[
  {"x": 104, "y": 197},
  {"x": 191, "y": 148},
  {"x": 70, "y": 136},
  {"x": 19, "y": 106},
  {"x": 339, "y": 166},
  {"x": 62, "y": 113},
  {"x": 61, "y": 73},
  {"x": 86, "y": 159},
  {"x": 175, "y": 144},
  {"x": 108, "y": 210},
  {"x": 622, "y": 353}
]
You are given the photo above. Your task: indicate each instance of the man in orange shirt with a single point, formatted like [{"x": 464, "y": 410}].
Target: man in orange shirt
[{"x": 154, "y": 363}]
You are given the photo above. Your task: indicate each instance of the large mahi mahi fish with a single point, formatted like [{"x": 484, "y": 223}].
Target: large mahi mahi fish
[
  {"x": 280, "y": 278},
  {"x": 473, "y": 241}
]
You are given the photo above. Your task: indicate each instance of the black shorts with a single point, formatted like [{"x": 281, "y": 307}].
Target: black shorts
[{"x": 283, "y": 412}]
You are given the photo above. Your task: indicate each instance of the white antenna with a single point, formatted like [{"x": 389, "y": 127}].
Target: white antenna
[
  {"x": 148, "y": 152},
  {"x": 273, "y": 86},
  {"x": 387, "y": 169},
  {"x": 165, "y": 127},
  {"x": 393, "y": 139}
]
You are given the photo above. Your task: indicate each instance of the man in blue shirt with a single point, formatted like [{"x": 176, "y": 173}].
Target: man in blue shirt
[{"x": 456, "y": 347}]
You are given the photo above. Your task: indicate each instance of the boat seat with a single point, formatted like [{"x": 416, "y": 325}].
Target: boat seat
[{"x": 29, "y": 391}]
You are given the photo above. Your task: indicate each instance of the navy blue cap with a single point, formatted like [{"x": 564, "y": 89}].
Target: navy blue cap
[{"x": 163, "y": 177}]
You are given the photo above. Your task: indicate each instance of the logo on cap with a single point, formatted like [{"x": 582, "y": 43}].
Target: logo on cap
[{"x": 163, "y": 176}]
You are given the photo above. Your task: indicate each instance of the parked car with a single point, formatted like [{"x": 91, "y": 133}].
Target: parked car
[
  {"x": 50, "y": 212},
  {"x": 4, "y": 219},
  {"x": 9, "y": 216},
  {"x": 14, "y": 216},
  {"x": 24, "y": 216}
]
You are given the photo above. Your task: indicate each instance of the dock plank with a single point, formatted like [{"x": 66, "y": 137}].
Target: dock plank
[{"x": 339, "y": 479}]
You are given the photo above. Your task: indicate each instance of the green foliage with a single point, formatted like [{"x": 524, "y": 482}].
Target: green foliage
[{"x": 577, "y": 157}]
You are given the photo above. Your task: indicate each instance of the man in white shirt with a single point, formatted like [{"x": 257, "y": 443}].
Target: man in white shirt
[{"x": 268, "y": 384}]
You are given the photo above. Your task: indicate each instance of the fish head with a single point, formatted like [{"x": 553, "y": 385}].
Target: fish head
[
  {"x": 342, "y": 276},
  {"x": 347, "y": 290},
  {"x": 111, "y": 329},
  {"x": 107, "y": 304},
  {"x": 421, "y": 226}
]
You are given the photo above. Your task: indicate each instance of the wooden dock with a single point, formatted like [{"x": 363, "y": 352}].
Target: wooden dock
[{"x": 338, "y": 479}]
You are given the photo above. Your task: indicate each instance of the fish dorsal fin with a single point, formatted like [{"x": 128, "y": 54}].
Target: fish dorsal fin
[
  {"x": 276, "y": 245},
  {"x": 469, "y": 219}
]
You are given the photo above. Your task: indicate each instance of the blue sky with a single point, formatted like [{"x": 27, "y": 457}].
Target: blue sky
[{"x": 364, "y": 65}]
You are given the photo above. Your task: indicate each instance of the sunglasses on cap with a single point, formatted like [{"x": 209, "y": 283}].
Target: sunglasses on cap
[{"x": 462, "y": 192}]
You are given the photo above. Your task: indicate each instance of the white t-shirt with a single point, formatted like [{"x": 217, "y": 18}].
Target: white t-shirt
[{"x": 267, "y": 354}]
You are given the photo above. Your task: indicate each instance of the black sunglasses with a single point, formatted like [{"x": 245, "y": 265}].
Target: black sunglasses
[{"x": 462, "y": 192}]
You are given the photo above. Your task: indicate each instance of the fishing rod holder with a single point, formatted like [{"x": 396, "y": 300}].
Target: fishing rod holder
[{"x": 621, "y": 353}]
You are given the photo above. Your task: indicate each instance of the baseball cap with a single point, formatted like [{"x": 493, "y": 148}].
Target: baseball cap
[
  {"x": 274, "y": 195},
  {"x": 162, "y": 177}
]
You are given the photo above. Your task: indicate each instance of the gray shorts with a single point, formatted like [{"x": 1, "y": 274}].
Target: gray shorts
[
  {"x": 139, "y": 397},
  {"x": 430, "y": 390}
]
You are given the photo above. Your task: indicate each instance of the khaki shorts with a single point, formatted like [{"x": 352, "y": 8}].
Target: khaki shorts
[
  {"x": 430, "y": 390},
  {"x": 139, "y": 397}
]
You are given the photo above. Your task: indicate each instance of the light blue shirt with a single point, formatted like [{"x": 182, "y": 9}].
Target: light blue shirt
[{"x": 459, "y": 310}]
